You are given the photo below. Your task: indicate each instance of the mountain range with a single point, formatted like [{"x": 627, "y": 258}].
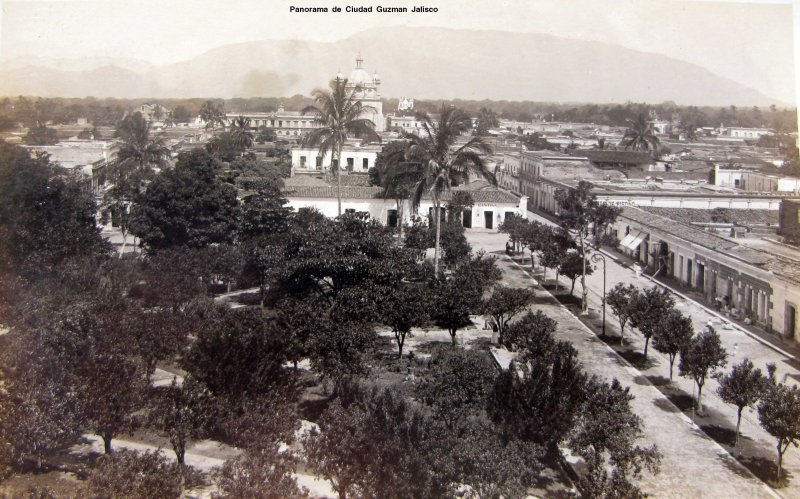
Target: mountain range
[{"x": 423, "y": 63}]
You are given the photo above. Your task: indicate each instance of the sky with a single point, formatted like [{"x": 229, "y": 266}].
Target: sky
[{"x": 751, "y": 43}]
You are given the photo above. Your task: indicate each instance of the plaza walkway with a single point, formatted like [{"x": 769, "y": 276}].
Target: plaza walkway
[{"x": 693, "y": 464}]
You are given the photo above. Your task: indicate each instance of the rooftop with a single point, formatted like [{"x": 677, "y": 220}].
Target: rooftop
[
  {"x": 302, "y": 187},
  {"x": 618, "y": 157},
  {"x": 779, "y": 259}
]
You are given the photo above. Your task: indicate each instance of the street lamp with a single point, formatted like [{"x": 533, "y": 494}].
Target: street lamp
[{"x": 595, "y": 258}]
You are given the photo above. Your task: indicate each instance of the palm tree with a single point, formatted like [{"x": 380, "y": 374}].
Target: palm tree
[
  {"x": 338, "y": 115},
  {"x": 241, "y": 134},
  {"x": 389, "y": 160},
  {"x": 641, "y": 136},
  {"x": 134, "y": 166},
  {"x": 435, "y": 164},
  {"x": 212, "y": 114}
]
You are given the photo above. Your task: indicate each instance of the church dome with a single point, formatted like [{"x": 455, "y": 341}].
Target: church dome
[{"x": 359, "y": 76}]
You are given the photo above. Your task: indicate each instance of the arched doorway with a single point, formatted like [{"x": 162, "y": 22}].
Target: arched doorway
[{"x": 790, "y": 321}]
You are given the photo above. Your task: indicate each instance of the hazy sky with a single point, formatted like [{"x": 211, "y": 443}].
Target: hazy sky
[{"x": 751, "y": 43}]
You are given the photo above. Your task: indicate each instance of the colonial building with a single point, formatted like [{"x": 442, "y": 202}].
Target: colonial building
[
  {"x": 753, "y": 279},
  {"x": 492, "y": 205},
  {"x": 755, "y": 181},
  {"x": 355, "y": 158},
  {"x": 291, "y": 125}
]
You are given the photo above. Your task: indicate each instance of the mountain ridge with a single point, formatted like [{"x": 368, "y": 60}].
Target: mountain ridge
[{"x": 424, "y": 63}]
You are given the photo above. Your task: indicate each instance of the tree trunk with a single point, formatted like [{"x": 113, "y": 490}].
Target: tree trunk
[
  {"x": 671, "y": 363},
  {"x": 453, "y": 337},
  {"x": 738, "y": 425},
  {"x": 699, "y": 395},
  {"x": 124, "y": 240},
  {"x": 338, "y": 177},
  {"x": 180, "y": 452},
  {"x": 584, "y": 291},
  {"x": 106, "y": 443},
  {"x": 438, "y": 222},
  {"x": 646, "y": 342},
  {"x": 572, "y": 288},
  {"x": 401, "y": 339},
  {"x": 780, "y": 463},
  {"x": 399, "y": 220}
]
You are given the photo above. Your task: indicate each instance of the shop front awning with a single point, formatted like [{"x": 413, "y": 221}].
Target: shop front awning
[
  {"x": 628, "y": 239},
  {"x": 636, "y": 241}
]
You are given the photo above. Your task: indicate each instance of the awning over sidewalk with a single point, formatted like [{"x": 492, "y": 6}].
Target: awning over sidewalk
[
  {"x": 628, "y": 239},
  {"x": 636, "y": 241}
]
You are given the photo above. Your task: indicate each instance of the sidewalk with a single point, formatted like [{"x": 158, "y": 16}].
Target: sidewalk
[{"x": 690, "y": 457}]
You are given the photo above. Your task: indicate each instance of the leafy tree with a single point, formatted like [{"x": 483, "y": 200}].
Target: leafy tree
[
  {"x": 538, "y": 401},
  {"x": 369, "y": 442},
  {"x": 457, "y": 385},
  {"x": 186, "y": 206},
  {"x": 742, "y": 387},
  {"x": 238, "y": 352},
  {"x": 44, "y": 218},
  {"x": 572, "y": 266},
  {"x": 487, "y": 119},
  {"x": 673, "y": 335},
  {"x": 265, "y": 134},
  {"x": 703, "y": 355},
  {"x": 555, "y": 245},
  {"x": 323, "y": 257},
  {"x": 259, "y": 423},
  {"x": 489, "y": 465},
  {"x": 452, "y": 306},
  {"x": 648, "y": 310},
  {"x": 434, "y": 164},
  {"x": 183, "y": 412},
  {"x": 579, "y": 210},
  {"x": 337, "y": 115},
  {"x": 535, "y": 236},
  {"x": 459, "y": 201},
  {"x": 40, "y": 414},
  {"x": 454, "y": 245},
  {"x": 260, "y": 474},
  {"x": 337, "y": 352},
  {"x": 620, "y": 298},
  {"x": 505, "y": 303},
  {"x": 264, "y": 213},
  {"x": 779, "y": 414},
  {"x": 223, "y": 146},
  {"x": 41, "y": 135},
  {"x": 404, "y": 308},
  {"x": 605, "y": 437},
  {"x": 111, "y": 387},
  {"x": 181, "y": 115},
  {"x": 129, "y": 473},
  {"x": 516, "y": 227},
  {"x": 532, "y": 335},
  {"x": 641, "y": 136}
]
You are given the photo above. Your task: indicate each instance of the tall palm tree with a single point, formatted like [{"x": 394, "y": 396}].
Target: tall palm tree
[
  {"x": 212, "y": 114},
  {"x": 241, "y": 134},
  {"x": 640, "y": 136},
  {"x": 138, "y": 154},
  {"x": 435, "y": 163},
  {"x": 338, "y": 114}
]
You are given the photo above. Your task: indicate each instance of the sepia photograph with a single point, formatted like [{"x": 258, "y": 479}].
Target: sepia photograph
[{"x": 401, "y": 249}]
